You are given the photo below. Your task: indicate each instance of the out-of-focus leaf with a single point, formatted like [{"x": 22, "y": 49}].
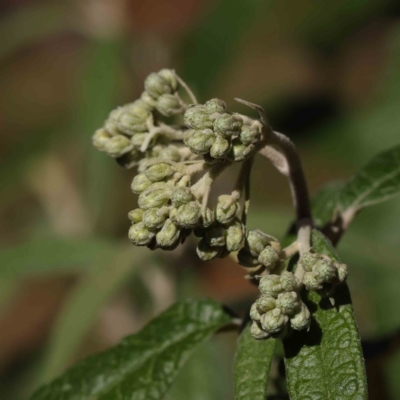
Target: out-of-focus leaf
[
  {"x": 326, "y": 362},
  {"x": 252, "y": 366},
  {"x": 83, "y": 304},
  {"x": 212, "y": 45},
  {"x": 324, "y": 203},
  {"x": 378, "y": 181},
  {"x": 144, "y": 365}
]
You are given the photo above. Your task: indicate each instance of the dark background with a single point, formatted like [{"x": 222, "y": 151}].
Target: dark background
[{"x": 328, "y": 74}]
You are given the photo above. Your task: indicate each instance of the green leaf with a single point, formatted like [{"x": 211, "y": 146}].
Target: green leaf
[
  {"x": 324, "y": 203},
  {"x": 378, "y": 181},
  {"x": 252, "y": 365},
  {"x": 326, "y": 362},
  {"x": 144, "y": 365}
]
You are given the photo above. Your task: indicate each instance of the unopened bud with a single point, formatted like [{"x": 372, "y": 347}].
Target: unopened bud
[
  {"x": 215, "y": 237},
  {"x": 158, "y": 172},
  {"x": 324, "y": 271},
  {"x": 198, "y": 117},
  {"x": 288, "y": 302},
  {"x": 200, "y": 141},
  {"x": 169, "y": 105},
  {"x": 170, "y": 76},
  {"x": 215, "y": 106},
  {"x": 140, "y": 183},
  {"x": 208, "y": 219},
  {"x": 168, "y": 235},
  {"x": 269, "y": 257},
  {"x": 136, "y": 215},
  {"x": 220, "y": 147},
  {"x": 250, "y": 134},
  {"x": 227, "y": 125},
  {"x": 265, "y": 303},
  {"x": 148, "y": 100},
  {"x": 254, "y": 313},
  {"x": 274, "y": 321},
  {"x": 235, "y": 237},
  {"x": 157, "y": 195},
  {"x": 139, "y": 235},
  {"x": 302, "y": 319},
  {"x": 270, "y": 285},
  {"x": 170, "y": 152},
  {"x": 239, "y": 151},
  {"x": 257, "y": 241},
  {"x": 289, "y": 281},
  {"x": 111, "y": 123},
  {"x": 100, "y": 139},
  {"x": 156, "y": 85},
  {"x": 117, "y": 146},
  {"x": 134, "y": 118},
  {"x": 154, "y": 218},
  {"x": 181, "y": 196},
  {"x": 138, "y": 139},
  {"x": 308, "y": 260},
  {"x": 227, "y": 209},
  {"x": 206, "y": 252},
  {"x": 257, "y": 332},
  {"x": 310, "y": 282},
  {"x": 189, "y": 215},
  {"x": 342, "y": 272}
]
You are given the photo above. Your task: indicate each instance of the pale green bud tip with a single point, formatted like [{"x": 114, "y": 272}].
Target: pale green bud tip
[
  {"x": 227, "y": 125},
  {"x": 136, "y": 215},
  {"x": 169, "y": 105},
  {"x": 227, "y": 209},
  {"x": 215, "y": 106},
  {"x": 134, "y": 118},
  {"x": 138, "y": 139},
  {"x": 310, "y": 282},
  {"x": 254, "y": 313},
  {"x": 274, "y": 321},
  {"x": 265, "y": 303},
  {"x": 154, "y": 218},
  {"x": 156, "y": 85},
  {"x": 146, "y": 98},
  {"x": 170, "y": 76},
  {"x": 206, "y": 252},
  {"x": 239, "y": 151},
  {"x": 100, "y": 139},
  {"x": 156, "y": 195},
  {"x": 235, "y": 237},
  {"x": 111, "y": 123},
  {"x": 257, "y": 241},
  {"x": 269, "y": 257},
  {"x": 139, "y": 235},
  {"x": 220, "y": 147},
  {"x": 208, "y": 219},
  {"x": 215, "y": 237},
  {"x": 250, "y": 134},
  {"x": 324, "y": 271},
  {"x": 308, "y": 260},
  {"x": 200, "y": 142},
  {"x": 158, "y": 172},
  {"x": 198, "y": 117},
  {"x": 342, "y": 272},
  {"x": 257, "y": 332},
  {"x": 140, "y": 183},
  {"x": 288, "y": 302},
  {"x": 169, "y": 152},
  {"x": 188, "y": 215},
  {"x": 168, "y": 235},
  {"x": 302, "y": 319},
  {"x": 289, "y": 281},
  {"x": 270, "y": 285},
  {"x": 117, "y": 146},
  {"x": 181, "y": 196}
]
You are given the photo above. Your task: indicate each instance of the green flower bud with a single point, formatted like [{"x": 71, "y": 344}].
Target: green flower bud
[
  {"x": 200, "y": 142},
  {"x": 270, "y": 285},
  {"x": 227, "y": 209},
  {"x": 139, "y": 235},
  {"x": 169, "y": 105},
  {"x": 302, "y": 319},
  {"x": 254, "y": 313},
  {"x": 274, "y": 321},
  {"x": 227, "y": 125},
  {"x": 198, "y": 117},
  {"x": 324, "y": 271},
  {"x": 288, "y": 302},
  {"x": 148, "y": 100},
  {"x": 136, "y": 215},
  {"x": 239, "y": 151},
  {"x": 235, "y": 237},
  {"x": 158, "y": 172},
  {"x": 170, "y": 76},
  {"x": 187, "y": 135},
  {"x": 342, "y": 272},
  {"x": 257, "y": 332},
  {"x": 208, "y": 219},
  {"x": 134, "y": 118},
  {"x": 154, "y": 218},
  {"x": 140, "y": 183},
  {"x": 289, "y": 281},
  {"x": 250, "y": 134},
  {"x": 246, "y": 259},
  {"x": 215, "y": 106},
  {"x": 220, "y": 147},
  {"x": 265, "y": 303},
  {"x": 269, "y": 257},
  {"x": 170, "y": 152},
  {"x": 189, "y": 215},
  {"x": 215, "y": 237},
  {"x": 138, "y": 139},
  {"x": 168, "y": 235},
  {"x": 206, "y": 252},
  {"x": 117, "y": 146},
  {"x": 157, "y": 195},
  {"x": 100, "y": 139},
  {"x": 310, "y": 282},
  {"x": 156, "y": 85},
  {"x": 308, "y": 260},
  {"x": 181, "y": 196},
  {"x": 257, "y": 241},
  {"x": 111, "y": 123}
]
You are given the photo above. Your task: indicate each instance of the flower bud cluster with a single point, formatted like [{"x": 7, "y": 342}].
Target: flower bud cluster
[
  {"x": 279, "y": 308},
  {"x": 322, "y": 274},
  {"x": 127, "y": 127},
  {"x": 260, "y": 252},
  {"x": 218, "y": 134}
]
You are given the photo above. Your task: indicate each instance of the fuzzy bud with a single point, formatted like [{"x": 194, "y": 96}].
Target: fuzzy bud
[
  {"x": 269, "y": 257},
  {"x": 250, "y": 134},
  {"x": 239, "y": 151},
  {"x": 136, "y": 215},
  {"x": 235, "y": 237},
  {"x": 310, "y": 282},
  {"x": 254, "y": 313},
  {"x": 158, "y": 172},
  {"x": 198, "y": 117},
  {"x": 257, "y": 241},
  {"x": 208, "y": 219},
  {"x": 170, "y": 76},
  {"x": 206, "y": 252},
  {"x": 100, "y": 139},
  {"x": 289, "y": 281},
  {"x": 117, "y": 146},
  {"x": 140, "y": 183},
  {"x": 154, "y": 218},
  {"x": 288, "y": 302},
  {"x": 157, "y": 195},
  {"x": 274, "y": 321},
  {"x": 170, "y": 152},
  {"x": 215, "y": 106},
  {"x": 148, "y": 100},
  {"x": 188, "y": 215},
  {"x": 215, "y": 237},
  {"x": 138, "y": 139},
  {"x": 302, "y": 319},
  {"x": 111, "y": 123},
  {"x": 257, "y": 332},
  {"x": 134, "y": 118},
  {"x": 168, "y": 236},
  {"x": 220, "y": 147},
  {"x": 265, "y": 303},
  {"x": 342, "y": 272},
  {"x": 270, "y": 285},
  {"x": 227, "y": 125},
  {"x": 227, "y": 209},
  {"x": 169, "y": 105},
  {"x": 181, "y": 196},
  {"x": 200, "y": 142},
  {"x": 308, "y": 260},
  {"x": 156, "y": 85},
  {"x": 139, "y": 235},
  {"x": 324, "y": 271}
]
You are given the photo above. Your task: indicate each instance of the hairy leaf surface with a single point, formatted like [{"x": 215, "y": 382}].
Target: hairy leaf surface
[
  {"x": 143, "y": 366},
  {"x": 252, "y": 364},
  {"x": 326, "y": 362}
]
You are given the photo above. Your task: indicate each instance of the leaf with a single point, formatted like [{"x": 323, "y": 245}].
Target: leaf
[
  {"x": 143, "y": 366},
  {"x": 326, "y": 362},
  {"x": 378, "y": 181},
  {"x": 252, "y": 365},
  {"x": 324, "y": 203},
  {"x": 83, "y": 305}
]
